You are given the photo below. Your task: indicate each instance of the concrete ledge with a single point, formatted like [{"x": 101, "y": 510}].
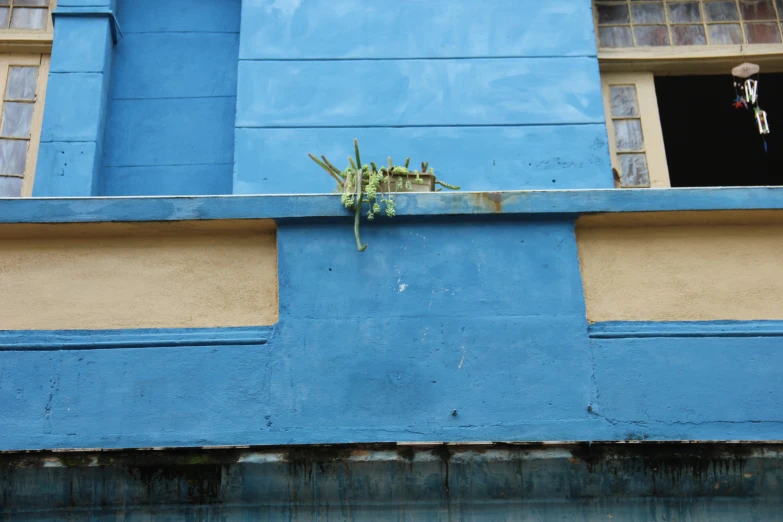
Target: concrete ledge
[
  {"x": 55, "y": 340},
  {"x": 698, "y": 329},
  {"x": 74, "y": 210}
]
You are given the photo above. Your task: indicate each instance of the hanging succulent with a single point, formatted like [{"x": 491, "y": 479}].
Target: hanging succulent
[{"x": 360, "y": 183}]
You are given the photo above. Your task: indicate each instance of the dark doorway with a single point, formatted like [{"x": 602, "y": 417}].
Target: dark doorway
[{"x": 709, "y": 143}]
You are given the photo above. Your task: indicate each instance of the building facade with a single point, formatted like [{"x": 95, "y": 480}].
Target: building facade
[{"x": 589, "y": 329}]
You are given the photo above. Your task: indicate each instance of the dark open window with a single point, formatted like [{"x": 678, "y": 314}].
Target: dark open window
[{"x": 710, "y": 143}]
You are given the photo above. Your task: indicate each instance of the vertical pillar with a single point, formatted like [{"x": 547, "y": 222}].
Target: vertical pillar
[{"x": 71, "y": 150}]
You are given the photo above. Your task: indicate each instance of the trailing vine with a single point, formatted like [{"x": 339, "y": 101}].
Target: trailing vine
[{"x": 362, "y": 184}]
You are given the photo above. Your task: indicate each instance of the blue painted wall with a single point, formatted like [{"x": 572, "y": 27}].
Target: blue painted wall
[
  {"x": 374, "y": 346},
  {"x": 74, "y": 125},
  {"x": 229, "y": 96},
  {"x": 479, "y": 314},
  {"x": 170, "y": 127},
  {"x": 466, "y": 329},
  {"x": 692, "y": 387},
  {"x": 500, "y": 97}
]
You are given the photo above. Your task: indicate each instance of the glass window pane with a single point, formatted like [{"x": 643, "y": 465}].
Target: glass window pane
[
  {"x": 4, "y": 17},
  {"x": 38, "y": 3},
  {"x": 612, "y": 14},
  {"x": 27, "y": 18},
  {"x": 648, "y": 14},
  {"x": 10, "y": 187},
  {"x": 757, "y": 10},
  {"x": 615, "y": 37},
  {"x": 17, "y": 119},
  {"x": 651, "y": 23},
  {"x": 762, "y": 33},
  {"x": 21, "y": 83},
  {"x": 647, "y": 35},
  {"x": 628, "y": 135},
  {"x": 13, "y": 155},
  {"x": 725, "y": 34},
  {"x": 633, "y": 170},
  {"x": 623, "y": 101},
  {"x": 688, "y": 35},
  {"x": 684, "y": 13},
  {"x": 721, "y": 11}
]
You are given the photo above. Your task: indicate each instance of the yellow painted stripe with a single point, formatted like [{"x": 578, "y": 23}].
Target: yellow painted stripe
[
  {"x": 153, "y": 275},
  {"x": 682, "y": 266}
]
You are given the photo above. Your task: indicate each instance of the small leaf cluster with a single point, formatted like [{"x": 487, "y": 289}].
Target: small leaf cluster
[{"x": 362, "y": 184}]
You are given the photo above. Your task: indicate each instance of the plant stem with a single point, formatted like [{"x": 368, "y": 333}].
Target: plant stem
[
  {"x": 356, "y": 150},
  {"x": 356, "y": 217},
  {"x": 334, "y": 169},
  {"x": 327, "y": 169},
  {"x": 442, "y": 184},
  {"x": 358, "y": 212}
]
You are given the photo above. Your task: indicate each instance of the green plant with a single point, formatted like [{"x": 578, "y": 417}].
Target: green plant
[{"x": 362, "y": 184}]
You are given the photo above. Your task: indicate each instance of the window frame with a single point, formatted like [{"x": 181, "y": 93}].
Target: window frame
[
  {"x": 652, "y": 133},
  {"x": 41, "y": 61},
  {"x": 33, "y": 41},
  {"x": 640, "y": 65},
  {"x": 29, "y": 47},
  {"x": 707, "y": 47}
]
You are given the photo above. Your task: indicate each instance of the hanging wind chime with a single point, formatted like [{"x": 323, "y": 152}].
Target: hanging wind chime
[{"x": 746, "y": 87}]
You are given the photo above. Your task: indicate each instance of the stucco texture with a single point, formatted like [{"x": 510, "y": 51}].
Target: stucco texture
[
  {"x": 104, "y": 276},
  {"x": 698, "y": 266}
]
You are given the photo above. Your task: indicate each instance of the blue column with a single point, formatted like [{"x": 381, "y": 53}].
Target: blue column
[{"x": 69, "y": 158}]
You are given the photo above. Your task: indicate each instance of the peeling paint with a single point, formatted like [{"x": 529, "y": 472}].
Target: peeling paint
[{"x": 488, "y": 201}]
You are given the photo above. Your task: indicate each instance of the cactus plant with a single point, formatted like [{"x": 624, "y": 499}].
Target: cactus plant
[{"x": 366, "y": 183}]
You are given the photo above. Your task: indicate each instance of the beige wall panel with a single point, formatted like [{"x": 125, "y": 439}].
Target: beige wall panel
[
  {"x": 694, "y": 266},
  {"x": 102, "y": 276}
]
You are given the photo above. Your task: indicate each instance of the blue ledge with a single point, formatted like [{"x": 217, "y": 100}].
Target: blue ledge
[
  {"x": 85, "y": 210},
  {"x": 90, "y": 12},
  {"x": 640, "y": 330},
  {"x": 53, "y": 340}
]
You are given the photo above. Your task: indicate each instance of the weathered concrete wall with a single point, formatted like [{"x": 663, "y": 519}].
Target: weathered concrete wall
[
  {"x": 374, "y": 346},
  {"x": 495, "y": 97},
  {"x": 466, "y": 328},
  {"x": 572, "y": 483}
]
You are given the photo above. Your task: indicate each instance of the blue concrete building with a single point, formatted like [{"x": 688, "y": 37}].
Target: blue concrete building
[{"x": 589, "y": 329}]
